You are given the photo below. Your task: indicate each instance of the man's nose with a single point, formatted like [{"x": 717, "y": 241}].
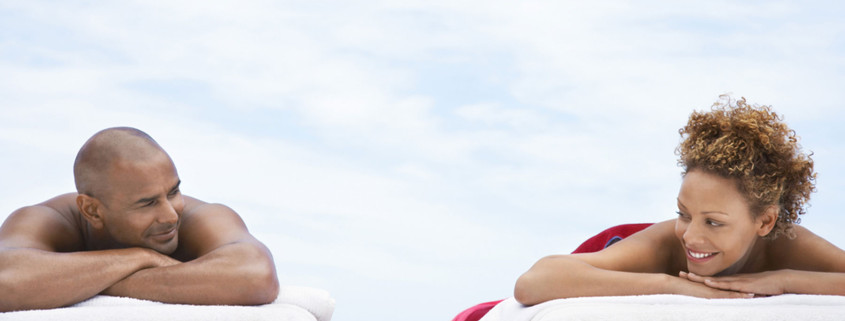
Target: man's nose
[{"x": 168, "y": 214}]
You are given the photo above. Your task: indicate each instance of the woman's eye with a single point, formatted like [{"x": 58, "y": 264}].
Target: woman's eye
[
  {"x": 681, "y": 215},
  {"x": 713, "y": 223}
]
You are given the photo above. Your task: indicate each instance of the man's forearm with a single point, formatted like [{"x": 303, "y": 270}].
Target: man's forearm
[
  {"x": 236, "y": 274},
  {"x": 36, "y": 279}
]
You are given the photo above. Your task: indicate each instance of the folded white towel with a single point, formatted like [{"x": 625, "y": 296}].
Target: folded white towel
[
  {"x": 316, "y": 301},
  {"x": 295, "y": 303},
  {"x": 674, "y": 307}
]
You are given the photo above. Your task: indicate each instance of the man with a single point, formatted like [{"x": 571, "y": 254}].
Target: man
[{"x": 128, "y": 231}]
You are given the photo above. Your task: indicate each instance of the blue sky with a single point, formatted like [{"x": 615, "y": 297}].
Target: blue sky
[{"x": 415, "y": 157}]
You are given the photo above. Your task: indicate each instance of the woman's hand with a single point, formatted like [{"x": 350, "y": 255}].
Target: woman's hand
[
  {"x": 760, "y": 284},
  {"x": 684, "y": 286}
]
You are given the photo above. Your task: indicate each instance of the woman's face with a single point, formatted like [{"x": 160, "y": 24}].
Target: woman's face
[{"x": 715, "y": 225}]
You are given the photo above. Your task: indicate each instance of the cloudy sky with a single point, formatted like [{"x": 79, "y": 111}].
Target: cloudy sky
[{"x": 414, "y": 157}]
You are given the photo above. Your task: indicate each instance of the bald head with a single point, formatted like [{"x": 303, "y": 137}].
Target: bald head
[{"x": 107, "y": 149}]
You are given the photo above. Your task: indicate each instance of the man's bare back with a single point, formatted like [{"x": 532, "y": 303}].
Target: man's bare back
[{"x": 130, "y": 232}]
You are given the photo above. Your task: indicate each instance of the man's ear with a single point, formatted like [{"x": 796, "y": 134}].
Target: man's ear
[
  {"x": 90, "y": 208},
  {"x": 766, "y": 221}
]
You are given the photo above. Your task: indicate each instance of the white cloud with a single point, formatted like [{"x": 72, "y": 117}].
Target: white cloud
[{"x": 437, "y": 145}]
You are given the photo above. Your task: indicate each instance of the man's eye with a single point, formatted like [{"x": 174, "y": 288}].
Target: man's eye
[{"x": 173, "y": 193}]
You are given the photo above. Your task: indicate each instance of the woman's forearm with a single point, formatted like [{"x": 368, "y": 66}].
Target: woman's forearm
[
  {"x": 557, "y": 277},
  {"x": 811, "y": 282}
]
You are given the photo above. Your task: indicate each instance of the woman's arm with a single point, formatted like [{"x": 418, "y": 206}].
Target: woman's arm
[
  {"x": 778, "y": 282},
  {"x": 635, "y": 265},
  {"x": 807, "y": 264},
  {"x": 557, "y": 277}
]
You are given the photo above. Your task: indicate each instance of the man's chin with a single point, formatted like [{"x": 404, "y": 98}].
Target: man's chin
[{"x": 166, "y": 249}]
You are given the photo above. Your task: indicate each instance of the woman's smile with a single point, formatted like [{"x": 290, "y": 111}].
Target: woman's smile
[{"x": 700, "y": 257}]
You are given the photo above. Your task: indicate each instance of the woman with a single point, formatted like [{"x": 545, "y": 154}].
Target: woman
[{"x": 745, "y": 184}]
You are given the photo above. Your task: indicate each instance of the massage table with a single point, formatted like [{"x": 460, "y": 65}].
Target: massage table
[
  {"x": 294, "y": 303},
  {"x": 787, "y": 307}
]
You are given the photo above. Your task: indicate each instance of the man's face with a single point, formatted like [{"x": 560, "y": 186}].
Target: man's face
[{"x": 144, "y": 205}]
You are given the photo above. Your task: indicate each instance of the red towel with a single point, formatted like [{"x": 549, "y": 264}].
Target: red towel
[
  {"x": 609, "y": 236},
  {"x": 594, "y": 244}
]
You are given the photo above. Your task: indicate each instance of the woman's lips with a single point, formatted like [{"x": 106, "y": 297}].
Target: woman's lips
[{"x": 700, "y": 257}]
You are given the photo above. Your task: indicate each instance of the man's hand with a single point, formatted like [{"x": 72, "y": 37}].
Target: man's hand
[
  {"x": 160, "y": 260},
  {"x": 154, "y": 259},
  {"x": 759, "y": 284}
]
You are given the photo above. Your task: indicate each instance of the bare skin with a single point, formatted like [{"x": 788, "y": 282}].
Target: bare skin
[
  {"x": 143, "y": 240},
  {"x": 715, "y": 249}
]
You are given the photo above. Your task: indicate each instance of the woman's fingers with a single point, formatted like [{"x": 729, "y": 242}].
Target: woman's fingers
[
  {"x": 694, "y": 277},
  {"x": 766, "y": 283}
]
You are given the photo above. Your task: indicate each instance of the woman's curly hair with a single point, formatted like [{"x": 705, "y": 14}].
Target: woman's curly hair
[{"x": 753, "y": 145}]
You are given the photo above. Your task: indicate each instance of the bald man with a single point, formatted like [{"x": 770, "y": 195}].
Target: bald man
[{"x": 129, "y": 231}]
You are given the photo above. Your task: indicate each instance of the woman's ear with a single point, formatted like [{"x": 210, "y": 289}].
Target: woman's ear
[
  {"x": 766, "y": 221},
  {"x": 90, "y": 209}
]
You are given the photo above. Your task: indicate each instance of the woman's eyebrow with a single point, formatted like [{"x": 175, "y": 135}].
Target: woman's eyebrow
[{"x": 681, "y": 205}]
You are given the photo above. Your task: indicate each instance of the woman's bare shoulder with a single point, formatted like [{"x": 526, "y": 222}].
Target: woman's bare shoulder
[
  {"x": 659, "y": 235},
  {"x": 649, "y": 250},
  {"x": 807, "y": 251}
]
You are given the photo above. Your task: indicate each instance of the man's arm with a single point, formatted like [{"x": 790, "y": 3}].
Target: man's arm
[
  {"x": 227, "y": 265},
  {"x": 34, "y": 275}
]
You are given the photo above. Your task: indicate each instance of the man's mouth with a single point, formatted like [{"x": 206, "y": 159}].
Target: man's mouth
[{"x": 166, "y": 234}]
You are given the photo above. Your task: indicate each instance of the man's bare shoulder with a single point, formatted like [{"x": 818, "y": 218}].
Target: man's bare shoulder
[
  {"x": 197, "y": 212},
  {"x": 64, "y": 204},
  {"x": 208, "y": 226},
  {"x": 53, "y": 225}
]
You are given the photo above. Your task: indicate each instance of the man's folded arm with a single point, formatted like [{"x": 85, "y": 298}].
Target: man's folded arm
[
  {"x": 226, "y": 265},
  {"x": 34, "y": 276},
  {"x": 234, "y": 274}
]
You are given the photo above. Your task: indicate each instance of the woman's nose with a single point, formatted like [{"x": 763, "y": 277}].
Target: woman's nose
[{"x": 693, "y": 234}]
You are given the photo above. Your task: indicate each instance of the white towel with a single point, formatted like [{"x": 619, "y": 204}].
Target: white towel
[
  {"x": 295, "y": 303},
  {"x": 674, "y": 307}
]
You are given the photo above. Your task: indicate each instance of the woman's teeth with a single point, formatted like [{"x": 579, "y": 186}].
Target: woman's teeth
[{"x": 699, "y": 255}]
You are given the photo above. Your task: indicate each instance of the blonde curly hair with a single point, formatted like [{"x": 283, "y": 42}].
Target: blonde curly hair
[{"x": 751, "y": 144}]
